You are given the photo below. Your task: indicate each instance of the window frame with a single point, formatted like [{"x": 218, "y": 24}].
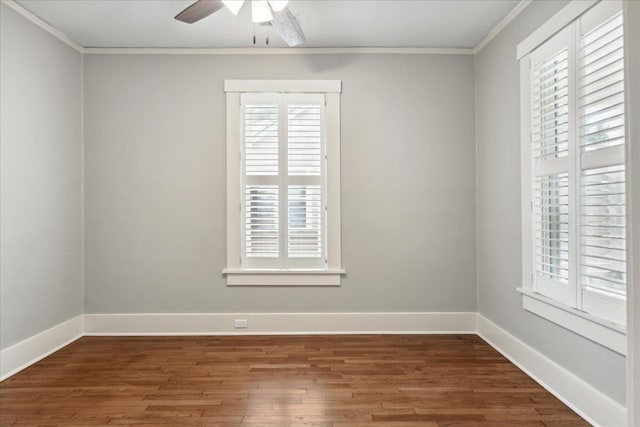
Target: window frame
[
  {"x": 236, "y": 273},
  {"x": 607, "y": 333}
]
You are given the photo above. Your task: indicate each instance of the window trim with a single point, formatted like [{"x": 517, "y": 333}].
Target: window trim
[
  {"x": 604, "y": 332},
  {"x": 235, "y": 273},
  {"x": 601, "y": 331}
]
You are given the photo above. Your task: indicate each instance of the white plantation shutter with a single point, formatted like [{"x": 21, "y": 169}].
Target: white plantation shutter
[
  {"x": 552, "y": 148},
  {"x": 576, "y": 146},
  {"x": 305, "y": 166},
  {"x": 601, "y": 138},
  {"x": 283, "y": 168},
  {"x": 260, "y": 168}
]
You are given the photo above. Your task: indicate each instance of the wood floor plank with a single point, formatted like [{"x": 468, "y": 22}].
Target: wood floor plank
[{"x": 323, "y": 381}]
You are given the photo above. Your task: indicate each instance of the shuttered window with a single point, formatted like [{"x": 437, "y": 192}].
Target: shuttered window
[
  {"x": 283, "y": 179},
  {"x": 283, "y": 183},
  {"x": 577, "y": 187}
]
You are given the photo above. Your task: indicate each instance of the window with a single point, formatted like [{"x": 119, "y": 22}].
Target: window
[
  {"x": 573, "y": 162},
  {"x": 283, "y": 182}
]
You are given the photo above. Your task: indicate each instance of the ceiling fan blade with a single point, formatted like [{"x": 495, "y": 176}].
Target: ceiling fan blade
[
  {"x": 287, "y": 26},
  {"x": 198, "y": 10}
]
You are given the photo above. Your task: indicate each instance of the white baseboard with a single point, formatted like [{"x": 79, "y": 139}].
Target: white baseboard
[
  {"x": 587, "y": 401},
  {"x": 19, "y": 356},
  {"x": 279, "y": 323}
]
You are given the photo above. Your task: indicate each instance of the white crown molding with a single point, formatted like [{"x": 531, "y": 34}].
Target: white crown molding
[
  {"x": 279, "y": 51},
  {"x": 587, "y": 401},
  {"x": 42, "y": 24},
  {"x": 21, "y": 355},
  {"x": 502, "y": 24}
]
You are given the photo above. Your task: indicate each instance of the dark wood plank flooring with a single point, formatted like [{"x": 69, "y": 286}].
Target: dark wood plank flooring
[{"x": 337, "y": 380}]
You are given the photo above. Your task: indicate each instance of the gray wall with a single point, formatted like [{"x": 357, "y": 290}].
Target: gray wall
[
  {"x": 498, "y": 212},
  {"x": 155, "y": 183},
  {"x": 40, "y": 178}
]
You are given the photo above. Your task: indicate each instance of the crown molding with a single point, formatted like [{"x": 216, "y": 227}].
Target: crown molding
[
  {"x": 502, "y": 24},
  {"x": 279, "y": 51},
  {"x": 42, "y": 24}
]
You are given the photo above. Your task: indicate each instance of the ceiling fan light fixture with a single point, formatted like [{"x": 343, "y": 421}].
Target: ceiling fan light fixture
[
  {"x": 233, "y": 5},
  {"x": 260, "y": 11},
  {"x": 278, "y": 5}
]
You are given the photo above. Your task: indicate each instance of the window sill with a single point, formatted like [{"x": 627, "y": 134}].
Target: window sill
[
  {"x": 607, "y": 334},
  {"x": 283, "y": 277}
]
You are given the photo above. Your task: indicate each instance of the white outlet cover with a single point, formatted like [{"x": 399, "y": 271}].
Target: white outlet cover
[{"x": 241, "y": 323}]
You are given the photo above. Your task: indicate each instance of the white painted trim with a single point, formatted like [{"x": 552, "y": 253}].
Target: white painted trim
[
  {"x": 42, "y": 24},
  {"x": 21, "y": 355},
  {"x": 502, "y": 25},
  {"x": 280, "y": 51},
  {"x": 286, "y": 272},
  {"x": 632, "y": 123},
  {"x": 279, "y": 323},
  {"x": 603, "y": 332},
  {"x": 283, "y": 278},
  {"x": 233, "y": 180},
  {"x": 295, "y": 86},
  {"x": 557, "y": 22},
  {"x": 587, "y": 401},
  {"x": 333, "y": 190}
]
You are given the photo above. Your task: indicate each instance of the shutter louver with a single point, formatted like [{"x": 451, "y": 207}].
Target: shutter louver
[
  {"x": 262, "y": 230},
  {"x": 305, "y": 221},
  {"x": 550, "y": 98},
  {"x": 551, "y": 213},
  {"x": 261, "y": 139},
  {"x": 601, "y": 86},
  {"x": 304, "y": 140},
  {"x": 603, "y": 229}
]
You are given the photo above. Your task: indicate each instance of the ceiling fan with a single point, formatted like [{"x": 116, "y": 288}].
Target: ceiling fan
[{"x": 274, "y": 11}]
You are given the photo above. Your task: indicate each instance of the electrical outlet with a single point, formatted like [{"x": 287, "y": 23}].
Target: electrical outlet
[{"x": 241, "y": 323}]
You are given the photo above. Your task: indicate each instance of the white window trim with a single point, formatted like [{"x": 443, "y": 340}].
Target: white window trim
[
  {"x": 331, "y": 275},
  {"x": 605, "y": 333}
]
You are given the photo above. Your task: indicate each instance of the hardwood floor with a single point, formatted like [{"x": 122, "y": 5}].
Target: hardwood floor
[{"x": 338, "y": 380}]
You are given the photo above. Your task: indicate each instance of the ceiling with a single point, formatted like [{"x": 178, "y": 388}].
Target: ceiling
[{"x": 326, "y": 23}]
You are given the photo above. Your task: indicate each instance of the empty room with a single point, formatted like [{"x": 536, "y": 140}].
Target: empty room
[{"x": 320, "y": 213}]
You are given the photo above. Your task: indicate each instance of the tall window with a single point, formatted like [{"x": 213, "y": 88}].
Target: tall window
[
  {"x": 574, "y": 165},
  {"x": 285, "y": 177}
]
